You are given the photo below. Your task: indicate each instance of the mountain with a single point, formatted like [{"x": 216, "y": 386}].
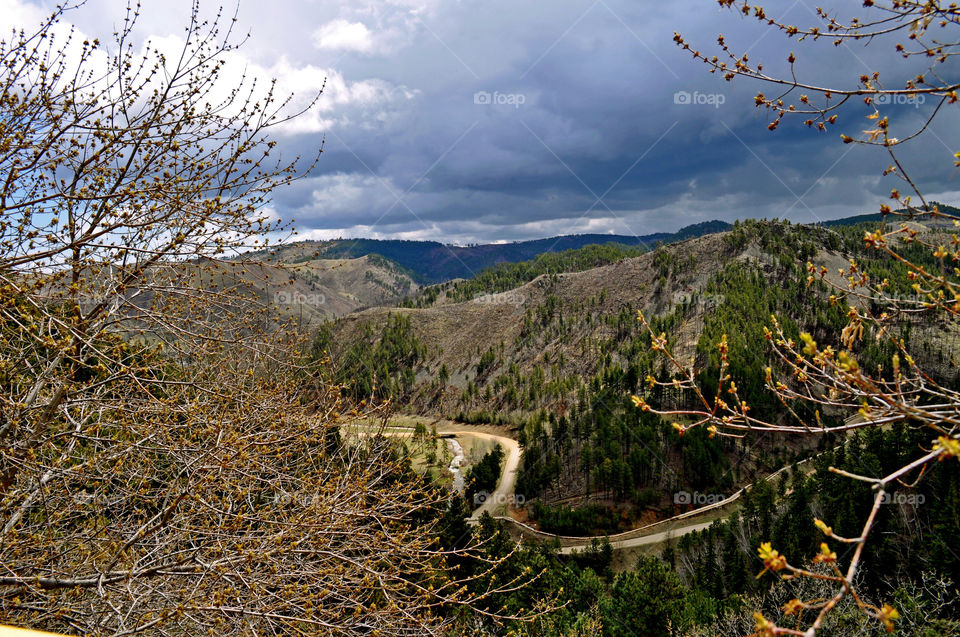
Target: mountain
[
  {"x": 557, "y": 358},
  {"x": 316, "y": 281},
  {"x": 431, "y": 262},
  {"x": 434, "y": 262},
  {"x": 321, "y": 289},
  {"x": 900, "y": 215},
  {"x": 311, "y": 291},
  {"x": 329, "y": 288}
]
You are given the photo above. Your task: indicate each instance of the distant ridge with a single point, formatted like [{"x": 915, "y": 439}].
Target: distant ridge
[
  {"x": 430, "y": 262},
  {"x": 852, "y": 221},
  {"x": 433, "y": 262},
  {"x": 877, "y": 217}
]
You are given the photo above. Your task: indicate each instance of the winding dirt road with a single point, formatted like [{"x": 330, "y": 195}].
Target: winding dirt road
[
  {"x": 497, "y": 502},
  {"x": 494, "y": 503}
]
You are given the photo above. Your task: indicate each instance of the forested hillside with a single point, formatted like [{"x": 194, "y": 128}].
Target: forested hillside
[
  {"x": 553, "y": 350},
  {"x": 558, "y": 358},
  {"x": 705, "y": 584}
]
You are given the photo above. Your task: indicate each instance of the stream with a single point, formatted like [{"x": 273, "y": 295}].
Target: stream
[{"x": 457, "y": 450}]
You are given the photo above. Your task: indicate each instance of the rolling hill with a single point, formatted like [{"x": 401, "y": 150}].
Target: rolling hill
[
  {"x": 557, "y": 358},
  {"x": 434, "y": 262}
]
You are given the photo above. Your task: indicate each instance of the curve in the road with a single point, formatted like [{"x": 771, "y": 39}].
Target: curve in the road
[{"x": 505, "y": 494}]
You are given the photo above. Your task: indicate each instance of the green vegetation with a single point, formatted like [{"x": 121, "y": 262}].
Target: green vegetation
[
  {"x": 507, "y": 276},
  {"x": 375, "y": 365},
  {"x": 433, "y": 262},
  {"x": 564, "y": 382},
  {"x": 592, "y": 519},
  {"x": 916, "y": 530},
  {"x": 581, "y": 434},
  {"x": 624, "y": 455},
  {"x": 484, "y": 475},
  {"x": 699, "y": 586}
]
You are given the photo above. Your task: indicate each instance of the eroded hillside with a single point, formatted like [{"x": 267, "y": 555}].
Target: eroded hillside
[{"x": 559, "y": 357}]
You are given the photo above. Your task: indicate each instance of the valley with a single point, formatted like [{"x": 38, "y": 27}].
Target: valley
[
  {"x": 538, "y": 358},
  {"x": 548, "y": 366},
  {"x": 426, "y": 319}
]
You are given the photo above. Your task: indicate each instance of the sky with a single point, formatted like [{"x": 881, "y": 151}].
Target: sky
[{"x": 473, "y": 122}]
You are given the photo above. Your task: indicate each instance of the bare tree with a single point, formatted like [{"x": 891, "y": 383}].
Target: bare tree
[{"x": 169, "y": 462}]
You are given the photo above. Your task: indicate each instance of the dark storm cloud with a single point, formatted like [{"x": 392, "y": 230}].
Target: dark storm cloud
[{"x": 501, "y": 120}]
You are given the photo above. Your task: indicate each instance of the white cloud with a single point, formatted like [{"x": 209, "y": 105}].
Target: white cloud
[
  {"x": 380, "y": 27},
  {"x": 359, "y": 103},
  {"x": 15, "y": 14},
  {"x": 341, "y": 35},
  {"x": 363, "y": 103}
]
